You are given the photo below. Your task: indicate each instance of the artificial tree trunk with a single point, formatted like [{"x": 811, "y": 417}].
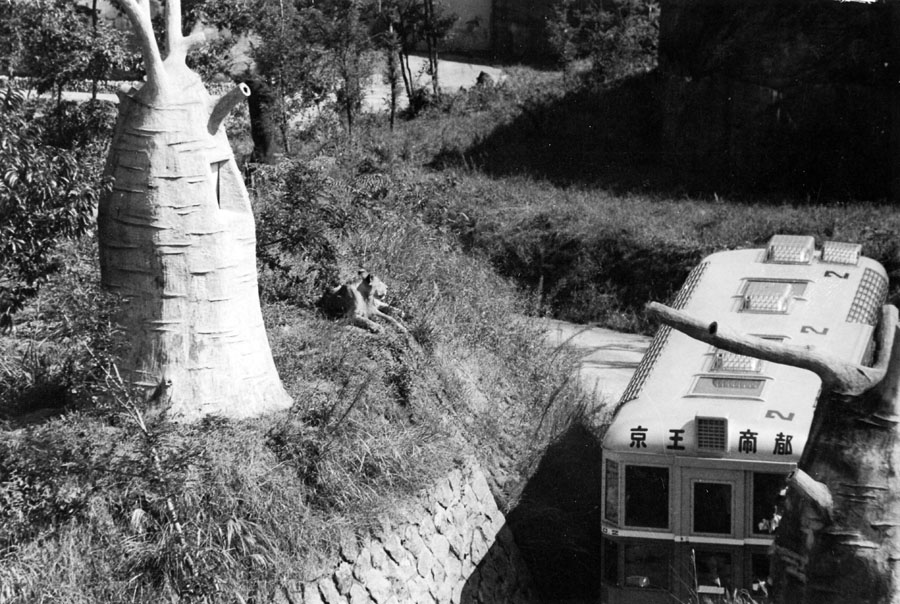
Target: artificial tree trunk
[
  {"x": 262, "y": 105},
  {"x": 177, "y": 240},
  {"x": 839, "y": 538}
]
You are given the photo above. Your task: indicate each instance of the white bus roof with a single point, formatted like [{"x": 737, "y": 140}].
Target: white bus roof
[{"x": 687, "y": 399}]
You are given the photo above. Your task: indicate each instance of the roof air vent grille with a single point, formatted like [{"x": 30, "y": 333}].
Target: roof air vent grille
[
  {"x": 836, "y": 252},
  {"x": 790, "y": 249},
  {"x": 712, "y": 433}
]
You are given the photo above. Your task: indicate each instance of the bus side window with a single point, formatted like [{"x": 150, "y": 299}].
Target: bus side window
[
  {"x": 647, "y": 565},
  {"x": 610, "y": 561},
  {"x": 760, "y": 583},
  {"x": 767, "y": 489},
  {"x": 712, "y": 507},
  {"x": 611, "y": 498},
  {"x": 714, "y": 571},
  {"x": 647, "y": 496}
]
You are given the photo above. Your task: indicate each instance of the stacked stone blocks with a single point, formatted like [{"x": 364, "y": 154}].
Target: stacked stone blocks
[{"x": 455, "y": 547}]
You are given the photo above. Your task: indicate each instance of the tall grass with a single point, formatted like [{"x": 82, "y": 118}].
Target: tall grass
[
  {"x": 564, "y": 188},
  {"x": 96, "y": 506},
  {"x": 599, "y": 257}
]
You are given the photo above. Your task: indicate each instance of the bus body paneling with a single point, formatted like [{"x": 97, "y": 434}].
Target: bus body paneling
[{"x": 695, "y": 458}]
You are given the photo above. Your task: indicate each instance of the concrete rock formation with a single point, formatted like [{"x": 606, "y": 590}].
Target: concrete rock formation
[{"x": 177, "y": 240}]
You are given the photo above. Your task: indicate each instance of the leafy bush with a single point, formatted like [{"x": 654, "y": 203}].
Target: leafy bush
[
  {"x": 46, "y": 194},
  {"x": 84, "y": 127},
  {"x": 616, "y": 38},
  {"x": 56, "y": 42},
  {"x": 300, "y": 212},
  {"x": 67, "y": 337}
]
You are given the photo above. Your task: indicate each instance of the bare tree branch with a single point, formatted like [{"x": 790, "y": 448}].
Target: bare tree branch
[{"x": 837, "y": 375}]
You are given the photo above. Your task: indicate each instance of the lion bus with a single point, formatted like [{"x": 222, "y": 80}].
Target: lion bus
[{"x": 696, "y": 456}]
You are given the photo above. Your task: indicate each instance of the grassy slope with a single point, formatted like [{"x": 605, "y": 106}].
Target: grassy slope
[
  {"x": 566, "y": 192},
  {"x": 599, "y": 257},
  {"x": 82, "y": 512}
]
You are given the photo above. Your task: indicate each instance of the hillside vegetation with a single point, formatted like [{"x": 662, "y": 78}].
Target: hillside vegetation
[
  {"x": 473, "y": 231},
  {"x": 102, "y": 501}
]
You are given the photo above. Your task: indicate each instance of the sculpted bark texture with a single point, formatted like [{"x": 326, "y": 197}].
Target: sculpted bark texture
[
  {"x": 177, "y": 240},
  {"x": 839, "y": 539}
]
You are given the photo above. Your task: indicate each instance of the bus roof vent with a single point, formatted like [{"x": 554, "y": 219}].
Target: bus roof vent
[
  {"x": 712, "y": 433},
  {"x": 728, "y": 361},
  {"x": 837, "y": 252},
  {"x": 866, "y": 306},
  {"x": 767, "y": 296},
  {"x": 790, "y": 249}
]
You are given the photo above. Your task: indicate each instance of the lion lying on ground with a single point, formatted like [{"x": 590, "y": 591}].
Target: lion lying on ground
[{"x": 360, "y": 300}]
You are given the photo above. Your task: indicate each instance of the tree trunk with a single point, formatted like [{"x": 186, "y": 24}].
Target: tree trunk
[
  {"x": 265, "y": 132},
  {"x": 839, "y": 538},
  {"x": 406, "y": 72},
  {"x": 177, "y": 241},
  {"x": 94, "y": 87},
  {"x": 392, "y": 77},
  {"x": 431, "y": 44}
]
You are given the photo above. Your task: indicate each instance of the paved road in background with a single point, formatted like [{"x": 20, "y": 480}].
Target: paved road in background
[
  {"x": 452, "y": 75},
  {"x": 609, "y": 357}
]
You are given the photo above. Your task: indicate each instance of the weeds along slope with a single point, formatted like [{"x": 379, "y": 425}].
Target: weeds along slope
[
  {"x": 563, "y": 187},
  {"x": 567, "y": 194},
  {"x": 97, "y": 507},
  {"x": 592, "y": 256}
]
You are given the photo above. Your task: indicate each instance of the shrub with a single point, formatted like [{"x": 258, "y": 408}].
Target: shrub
[
  {"x": 300, "y": 212},
  {"x": 80, "y": 126},
  {"x": 67, "y": 338},
  {"x": 616, "y": 38},
  {"x": 47, "y": 194}
]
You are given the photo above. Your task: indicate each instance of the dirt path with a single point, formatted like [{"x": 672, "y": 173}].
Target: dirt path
[
  {"x": 453, "y": 75},
  {"x": 609, "y": 359}
]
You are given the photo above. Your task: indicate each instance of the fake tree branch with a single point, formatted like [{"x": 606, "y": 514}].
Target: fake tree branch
[
  {"x": 837, "y": 375},
  {"x": 177, "y": 44},
  {"x": 174, "y": 38},
  {"x": 138, "y": 12}
]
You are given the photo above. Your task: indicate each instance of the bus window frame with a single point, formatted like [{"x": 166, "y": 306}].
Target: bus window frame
[
  {"x": 671, "y": 554},
  {"x": 737, "y": 564},
  {"x": 748, "y": 575},
  {"x": 619, "y": 511},
  {"x": 750, "y": 522},
  {"x": 734, "y": 478},
  {"x": 623, "y": 501}
]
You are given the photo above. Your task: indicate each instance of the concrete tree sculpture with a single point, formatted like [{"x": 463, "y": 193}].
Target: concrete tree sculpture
[
  {"x": 177, "y": 240},
  {"x": 839, "y": 539}
]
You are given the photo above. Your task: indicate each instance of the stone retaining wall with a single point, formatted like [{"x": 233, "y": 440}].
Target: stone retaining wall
[{"x": 454, "y": 547}]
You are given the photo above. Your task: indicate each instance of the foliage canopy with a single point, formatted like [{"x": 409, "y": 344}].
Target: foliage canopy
[
  {"x": 58, "y": 42},
  {"x": 46, "y": 193},
  {"x": 617, "y": 38}
]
